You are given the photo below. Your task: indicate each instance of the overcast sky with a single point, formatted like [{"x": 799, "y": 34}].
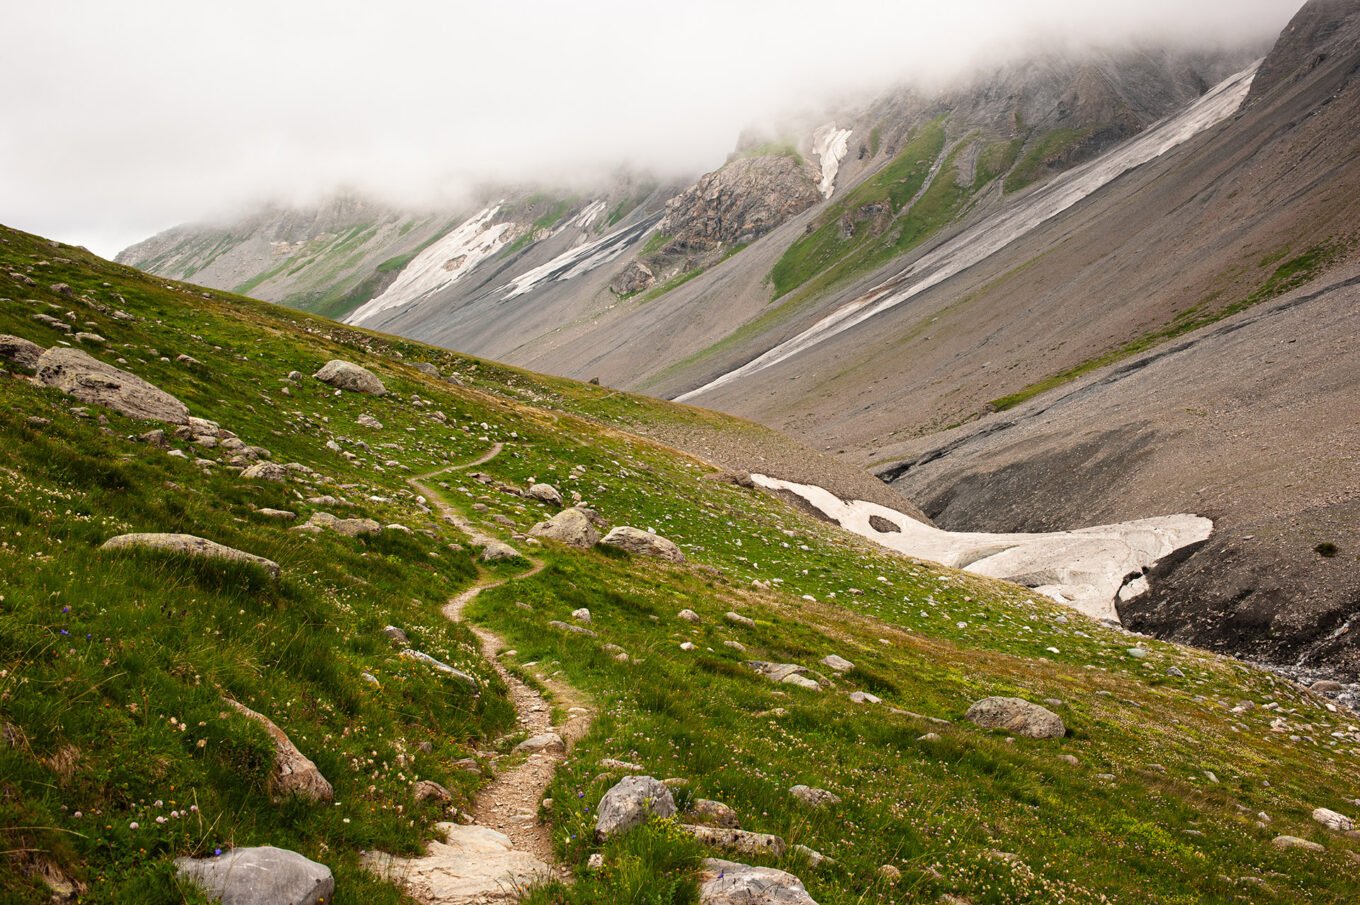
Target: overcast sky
[{"x": 121, "y": 119}]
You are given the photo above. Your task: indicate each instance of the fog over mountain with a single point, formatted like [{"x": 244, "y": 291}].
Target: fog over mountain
[{"x": 133, "y": 117}]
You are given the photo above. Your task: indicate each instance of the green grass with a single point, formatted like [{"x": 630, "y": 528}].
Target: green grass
[
  {"x": 995, "y": 160},
  {"x": 1286, "y": 277},
  {"x": 894, "y": 185},
  {"x": 1043, "y": 152},
  {"x": 167, "y": 637}
]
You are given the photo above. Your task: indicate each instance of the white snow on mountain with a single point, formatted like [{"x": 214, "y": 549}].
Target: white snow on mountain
[
  {"x": 830, "y": 145},
  {"x": 442, "y": 264}
]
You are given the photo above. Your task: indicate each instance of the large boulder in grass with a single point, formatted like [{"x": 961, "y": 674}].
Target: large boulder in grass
[
  {"x": 190, "y": 545},
  {"x": 91, "y": 380},
  {"x": 294, "y": 773},
  {"x": 1017, "y": 716},
  {"x": 346, "y": 375},
  {"x": 729, "y": 883},
  {"x": 643, "y": 543},
  {"x": 19, "y": 352},
  {"x": 630, "y": 803},
  {"x": 571, "y": 527},
  {"x": 264, "y": 875}
]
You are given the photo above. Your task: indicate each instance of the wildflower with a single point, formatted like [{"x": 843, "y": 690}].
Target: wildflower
[
  {"x": 77, "y": 815},
  {"x": 160, "y": 819},
  {"x": 134, "y": 825},
  {"x": 216, "y": 852}
]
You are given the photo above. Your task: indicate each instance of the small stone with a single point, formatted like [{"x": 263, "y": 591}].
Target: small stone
[
  {"x": 864, "y": 697},
  {"x": 817, "y": 798},
  {"x": 839, "y": 664},
  {"x": 739, "y": 619},
  {"x": 713, "y": 813},
  {"x": 392, "y": 633},
  {"x": 595, "y": 861},
  {"x": 429, "y": 790},
  {"x": 544, "y": 743},
  {"x": 581, "y": 615},
  {"x": 1286, "y": 842},
  {"x": 1333, "y": 821},
  {"x": 688, "y": 616}
]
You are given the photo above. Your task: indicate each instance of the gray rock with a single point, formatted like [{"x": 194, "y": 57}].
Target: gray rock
[
  {"x": 282, "y": 515},
  {"x": 1018, "y": 716},
  {"x": 713, "y": 813},
  {"x": 739, "y": 619},
  {"x": 265, "y": 471},
  {"x": 864, "y": 697},
  {"x": 1339, "y": 823},
  {"x": 817, "y": 798},
  {"x": 1295, "y": 842},
  {"x": 632, "y": 802},
  {"x": 643, "y": 543},
  {"x": 814, "y": 857},
  {"x": 839, "y": 664},
  {"x": 544, "y": 743},
  {"x": 91, "y": 380},
  {"x": 345, "y": 375},
  {"x": 570, "y": 526},
  {"x": 545, "y": 493},
  {"x": 19, "y": 352},
  {"x": 349, "y": 527},
  {"x": 425, "y": 367},
  {"x": 581, "y": 615},
  {"x": 93, "y": 339},
  {"x": 50, "y": 321},
  {"x": 189, "y": 545},
  {"x": 422, "y": 657},
  {"x": 1175, "y": 672},
  {"x": 294, "y": 773},
  {"x": 495, "y": 551},
  {"x": 729, "y": 883},
  {"x": 260, "y": 876},
  {"x": 1326, "y": 686},
  {"x": 636, "y": 277},
  {"x": 786, "y": 673},
  {"x": 392, "y": 633},
  {"x": 367, "y": 420},
  {"x": 568, "y": 627},
  {"x": 688, "y": 615},
  {"x": 738, "y": 842},
  {"x": 429, "y": 790}
]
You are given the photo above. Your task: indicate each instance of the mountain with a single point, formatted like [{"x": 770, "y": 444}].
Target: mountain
[{"x": 284, "y": 599}]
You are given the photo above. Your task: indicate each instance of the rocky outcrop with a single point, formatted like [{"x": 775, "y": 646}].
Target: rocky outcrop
[
  {"x": 294, "y": 773},
  {"x": 1017, "y": 716},
  {"x": 189, "y": 545},
  {"x": 260, "y": 876},
  {"x": 739, "y": 203},
  {"x": 643, "y": 543},
  {"x": 785, "y": 673},
  {"x": 346, "y": 375},
  {"x": 636, "y": 277},
  {"x": 571, "y": 527},
  {"x": 349, "y": 527},
  {"x": 19, "y": 352},
  {"x": 729, "y": 883},
  {"x": 91, "y": 380},
  {"x": 632, "y": 802}
]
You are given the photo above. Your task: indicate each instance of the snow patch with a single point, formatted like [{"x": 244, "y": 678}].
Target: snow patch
[
  {"x": 442, "y": 264},
  {"x": 588, "y": 215},
  {"x": 1084, "y": 569},
  {"x": 579, "y": 260},
  {"x": 830, "y": 145},
  {"x": 1001, "y": 229}
]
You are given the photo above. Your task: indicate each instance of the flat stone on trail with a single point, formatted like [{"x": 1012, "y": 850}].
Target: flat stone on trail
[
  {"x": 643, "y": 543},
  {"x": 345, "y": 375},
  {"x": 189, "y": 545},
  {"x": 1018, "y": 716},
  {"x": 91, "y": 380},
  {"x": 630, "y": 803},
  {"x": 260, "y": 876},
  {"x": 544, "y": 743},
  {"x": 729, "y": 883},
  {"x": 473, "y": 864}
]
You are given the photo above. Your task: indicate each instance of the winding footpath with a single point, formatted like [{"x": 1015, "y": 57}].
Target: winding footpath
[{"x": 506, "y": 848}]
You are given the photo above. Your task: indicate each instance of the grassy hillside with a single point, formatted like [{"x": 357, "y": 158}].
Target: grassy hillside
[{"x": 113, "y": 667}]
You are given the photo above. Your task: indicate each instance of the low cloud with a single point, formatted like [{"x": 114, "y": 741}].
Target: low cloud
[{"x": 126, "y": 118}]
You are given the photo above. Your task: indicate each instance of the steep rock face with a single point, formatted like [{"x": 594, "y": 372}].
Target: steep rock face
[
  {"x": 737, "y": 204},
  {"x": 1321, "y": 29}
]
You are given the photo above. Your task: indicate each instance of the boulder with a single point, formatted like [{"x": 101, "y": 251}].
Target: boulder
[
  {"x": 1333, "y": 821},
  {"x": 570, "y": 526},
  {"x": 1018, "y": 716},
  {"x": 739, "y": 619},
  {"x": 786, "y": 673},
  {"x": 839, "y": 664},
  {"x": 495, "y": 551},
  {"x": 636, "y": 277},
  {"x": 425, "y": 367},
  {"x": 738, "y": 842},
  {"x": 817, "y": 798},
  {"x": 392, "y": 633},
  {"x": 713, "y": 813},
  {"x": 19, "y": 352},
  {"x": 1295, "y": 842},
  {"x": 282, "y": 515},
  {"x": 688, "y": 615},
  {"x": 294, "y": 773},
  {"x": 581, "y": 615},
  {"x": 91, "y": 380},
  {"x": 349, "y": 527},
  {"x": 345, "y": 375},
  {"x": 367, "y": 420},
  {"x": 265, "y": 471},
  {"x": 729, "y": 883},
  {"x": 259, "y": 876},
  {"x": 864, "y": 697},
  {"x": 189, "y": 545},
  {"x": 545, "y": 493},
  {"x": 1321, "y": 686},
  {"x": 429, "y": 790},
  {"x": 632, "y": 802},
  {"x": 643, "y": 543}
]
